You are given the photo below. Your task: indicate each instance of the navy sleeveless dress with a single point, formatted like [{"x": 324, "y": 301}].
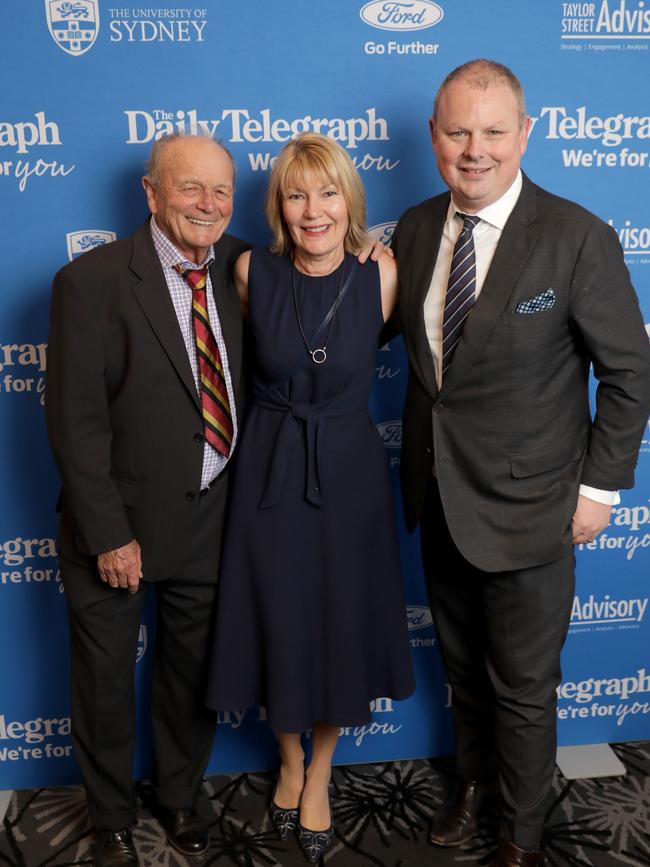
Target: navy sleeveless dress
[{"x": 310, "y": 620}]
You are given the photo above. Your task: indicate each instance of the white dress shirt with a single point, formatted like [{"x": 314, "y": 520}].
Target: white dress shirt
[{"x": 486, "y": 237}]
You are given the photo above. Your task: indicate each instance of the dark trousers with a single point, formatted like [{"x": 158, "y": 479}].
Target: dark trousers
[
  {"x": 500, "y": 635},
  {"x": 104, "y": 628}
]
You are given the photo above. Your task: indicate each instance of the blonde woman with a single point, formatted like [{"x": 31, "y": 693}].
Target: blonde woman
[{"x": 311, "y": 616}]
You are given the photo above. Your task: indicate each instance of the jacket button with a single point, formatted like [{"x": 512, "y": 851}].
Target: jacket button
[
  {"x": 428, "y": 450},
  {"x": 198, "y": 437},
  {"x": 189, "y": 496}
]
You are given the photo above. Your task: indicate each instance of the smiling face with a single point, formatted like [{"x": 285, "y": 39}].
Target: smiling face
[
  {"x": 192, "y": 196},
  {"x": 316, "y": 216},
  {"x": 478, "y": 141}
]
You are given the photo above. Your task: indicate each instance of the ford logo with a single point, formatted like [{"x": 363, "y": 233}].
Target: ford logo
[
  {"x": 396, "y": 15},
  {"x": 382, "y": 232},
  {"x": 418, "y": 617},
  {"x": 391, "y": 433}
]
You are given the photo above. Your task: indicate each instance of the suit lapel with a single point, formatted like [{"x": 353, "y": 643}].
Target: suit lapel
[
  {"x": 153, "y": 297},
  {"x": 426, "y": 243},
  {"x": 513, "y": 250}
]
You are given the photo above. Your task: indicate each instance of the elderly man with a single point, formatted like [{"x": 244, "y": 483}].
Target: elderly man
[
  {"x": 508, "y": 295},
  {"x": 143, "y": 401}
]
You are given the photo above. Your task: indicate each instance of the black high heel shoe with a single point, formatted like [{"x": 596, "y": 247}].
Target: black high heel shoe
[
  {"x": 284, "y": 821},
  {"x": 315, "y": 844}
]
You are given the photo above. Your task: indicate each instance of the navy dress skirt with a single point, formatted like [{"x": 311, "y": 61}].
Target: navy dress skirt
[{"x": 311, "y": 619}]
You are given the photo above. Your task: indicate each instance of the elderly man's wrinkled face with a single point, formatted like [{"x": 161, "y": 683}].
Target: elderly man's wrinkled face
[
  {"x": 478, "y": 141},
  {"x": 193, "y": 196}
]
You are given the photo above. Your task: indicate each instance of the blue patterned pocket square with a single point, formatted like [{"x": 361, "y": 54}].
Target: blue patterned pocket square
[{"x": 543, "y": 301}]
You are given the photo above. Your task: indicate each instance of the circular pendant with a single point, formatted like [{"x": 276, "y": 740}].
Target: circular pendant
[{"x": 318, "y": 356}]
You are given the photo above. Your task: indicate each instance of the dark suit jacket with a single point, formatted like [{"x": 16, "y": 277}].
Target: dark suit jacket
[
  {"x": 123, "y": 414},
  {"x": 510, "y": 431}
]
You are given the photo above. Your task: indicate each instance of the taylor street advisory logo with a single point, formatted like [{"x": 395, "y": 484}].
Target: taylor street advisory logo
[
  {"x": 635, "y": 241},
  {"x": 616, "y": 137},
  {"x": 73, "y": 24},
  {"x": 403, "y": 17},
  {"x": 87, "y": 239},
  {"x": 17, "y": 359},
  {"x": 605, "y": 614},
  {"x": 607, "y": 25}
]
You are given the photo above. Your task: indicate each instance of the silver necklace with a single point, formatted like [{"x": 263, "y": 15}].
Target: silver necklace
[{"x": 318, "y": 355}]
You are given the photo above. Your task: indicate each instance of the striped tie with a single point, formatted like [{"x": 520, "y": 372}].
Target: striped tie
[
  {"x": 459, "y": 299},
  {"x": 215, "y": 406}
]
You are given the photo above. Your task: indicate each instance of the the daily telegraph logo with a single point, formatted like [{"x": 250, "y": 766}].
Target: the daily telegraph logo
[
  {"x": 239, "y": 125},
  {"x": 263, "y": 128},
  {"x": 233, "y": 719},
  {"x": 73, "y": 24},
  {"x": 603, "y": 614},
  {"x": 19, "y": 359},
  {"x": 29, "y": 561},
  {"x": 599, "y": 22},
  {"x": 396, "y": 15},
  {"x": 383, "y": 232},
  {"x": 87, "y": 239},
  {"x": 592, "y": 697},
  {"x": 390, "y": 433},
  {"x": 24, "y": 135},
  {"x": 605, "y": 141},
  {"x": 32, "y": 739}
]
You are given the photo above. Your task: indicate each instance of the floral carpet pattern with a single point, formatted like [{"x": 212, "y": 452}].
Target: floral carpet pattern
[{"x": 381, "y": 815}]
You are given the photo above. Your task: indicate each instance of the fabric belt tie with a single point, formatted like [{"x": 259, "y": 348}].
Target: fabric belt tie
[{"x": 311, "y": 417}]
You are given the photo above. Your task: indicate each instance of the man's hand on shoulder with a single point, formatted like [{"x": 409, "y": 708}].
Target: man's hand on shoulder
[
  {"x": 589, "y": 520},
  {"x": 121, "y": 567},
  {"x": 374, "y": 250}
]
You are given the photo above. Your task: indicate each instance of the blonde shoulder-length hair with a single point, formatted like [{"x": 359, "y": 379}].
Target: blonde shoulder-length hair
[{"x": 319, "y": 155}]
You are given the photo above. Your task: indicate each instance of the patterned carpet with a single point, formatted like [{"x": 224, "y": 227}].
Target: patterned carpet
[{"x": 381, "y": 812}]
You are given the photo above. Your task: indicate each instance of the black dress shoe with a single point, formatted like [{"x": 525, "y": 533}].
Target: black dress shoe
[
  {"x": 115, "y": 849},
  {"x": 187, "y": 831},
  {"x": 510, "y": 855},
  {"x": 455, "y": 823}
]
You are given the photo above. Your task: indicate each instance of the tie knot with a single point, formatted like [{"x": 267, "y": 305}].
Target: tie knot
[
  {"x": 469, "y": 222},
  {"x": 195, "y": 277}
]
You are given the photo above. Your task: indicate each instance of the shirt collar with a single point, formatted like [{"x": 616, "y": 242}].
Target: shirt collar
[
  {"x": 169, "y": 254},
  {"x": 498, "y": 212}
]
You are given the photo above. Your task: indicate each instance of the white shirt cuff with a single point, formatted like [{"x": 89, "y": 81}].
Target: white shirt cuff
[{"x": 607, "y": 498}]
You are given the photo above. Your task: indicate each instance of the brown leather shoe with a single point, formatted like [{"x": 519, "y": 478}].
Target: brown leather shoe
[
  {"x": 455, "y": 822},
  {"x": 510, "y": 855}
]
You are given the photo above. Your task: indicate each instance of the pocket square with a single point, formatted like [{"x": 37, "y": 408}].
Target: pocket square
[{"x": 543, "y": 301}]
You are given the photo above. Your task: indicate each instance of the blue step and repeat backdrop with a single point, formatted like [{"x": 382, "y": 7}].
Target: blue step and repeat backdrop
[{"x": 89, "y": 84}]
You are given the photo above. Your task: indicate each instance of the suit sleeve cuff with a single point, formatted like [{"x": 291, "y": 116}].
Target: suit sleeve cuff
[{"x": 607, "y": 498}]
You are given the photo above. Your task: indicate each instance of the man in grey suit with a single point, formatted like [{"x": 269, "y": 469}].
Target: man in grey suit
[
  {"x": 508, "y": 295},
  {"x": 144, "y": 484}
]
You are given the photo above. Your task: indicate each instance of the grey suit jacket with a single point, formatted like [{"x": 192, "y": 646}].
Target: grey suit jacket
[
  {"x": 123, "y": 413},
  {"x": 510, "y": 431}
]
